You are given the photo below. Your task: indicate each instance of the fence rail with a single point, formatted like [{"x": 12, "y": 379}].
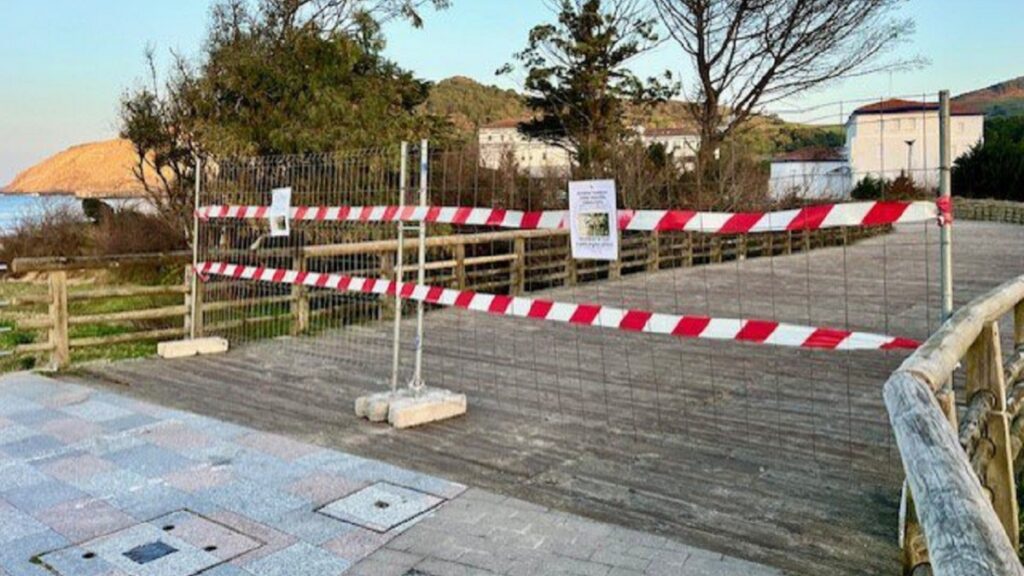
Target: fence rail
[
  {"x": 509, "y": 262},
  {"x": 962, "y": 475}
]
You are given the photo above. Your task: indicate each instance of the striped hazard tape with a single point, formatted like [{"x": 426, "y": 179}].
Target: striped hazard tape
[
  {"x": 756, "y": 331},
  {"x": 861, "y": 214}
]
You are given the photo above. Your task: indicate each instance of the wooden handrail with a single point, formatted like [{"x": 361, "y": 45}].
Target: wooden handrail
[{"x": 965, "y": 500}]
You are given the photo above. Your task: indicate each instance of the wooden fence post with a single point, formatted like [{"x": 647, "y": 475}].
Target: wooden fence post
[
  {"x": 197, "y": 318},
  {"x": 615, "y": 268},
  {"x": 300, "y": 299},
  {"x": 1018, "y": 325},
  {"x": 571, "y": 271},
  {"x": 518, "y": 281},
  {"x": 985, "y": 374},
  {"x": 460, "y": 266},
  {"x": 654, "y": 252},
  {"x": 716, "y": 249},
  {"x": 187, "y": 320},
  {"x": 60, "y": 357}
]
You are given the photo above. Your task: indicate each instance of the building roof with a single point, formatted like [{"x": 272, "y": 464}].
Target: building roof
[
  {"x": 812, "y": 154},
  {"x": 898, "y": 106}
]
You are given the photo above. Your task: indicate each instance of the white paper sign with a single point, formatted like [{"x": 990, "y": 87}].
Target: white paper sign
[
  {"x": 280, "y": 212},
  {"x": 593, "y": 220}
]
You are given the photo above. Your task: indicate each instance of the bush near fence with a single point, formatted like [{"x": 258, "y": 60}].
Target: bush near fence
[{"x": 989, "y": 210}]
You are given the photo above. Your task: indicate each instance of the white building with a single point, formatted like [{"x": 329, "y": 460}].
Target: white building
[
  {"x": 821, "y": 173},
  {"x": 501, "y": 143},
  {"x": 883, "y": 140},
  {"x": 680, "y": 143},
  {"x": 895, "y": 137}
]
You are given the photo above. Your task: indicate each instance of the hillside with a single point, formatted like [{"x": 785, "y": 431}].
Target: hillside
[
  {"x": 1003, "y": 99},
  {"x": 469, "y": 104},
  {"x": 96, "y": 170}
]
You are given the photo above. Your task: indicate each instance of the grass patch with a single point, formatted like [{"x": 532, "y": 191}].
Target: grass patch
[{"x": 13, "y": 290}]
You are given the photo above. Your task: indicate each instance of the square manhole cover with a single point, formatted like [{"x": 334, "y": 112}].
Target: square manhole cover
[
  {"x": 178, "y": 544},
  {"x": 381, "y": 506}
]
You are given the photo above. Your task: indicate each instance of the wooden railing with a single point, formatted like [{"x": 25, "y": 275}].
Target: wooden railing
[
  {"x": 514, "y": 262},
  {"x": 510, "y": 262},
  {"x": 961, "y": 476},
  {"x": 58, "y": 319},
  {"x": 989, "y": 210}
]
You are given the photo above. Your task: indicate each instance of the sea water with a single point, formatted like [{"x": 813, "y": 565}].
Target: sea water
[{"x": 15, "y": 207}]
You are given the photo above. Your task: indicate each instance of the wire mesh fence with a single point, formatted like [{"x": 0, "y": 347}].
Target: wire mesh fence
[{"x": 763, "y": 404}]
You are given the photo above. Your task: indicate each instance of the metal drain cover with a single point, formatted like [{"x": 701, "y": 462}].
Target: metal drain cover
[
  {"x": 381, "y": 506},
  {"x": 149, "y": 552},
  {"x": 178, "y": 544}
]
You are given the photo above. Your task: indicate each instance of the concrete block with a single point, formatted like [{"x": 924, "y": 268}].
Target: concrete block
[
  {"x": 373, "y": 407},
  {"x": 430, "y": 405},
  {"x": 186, "y": 348},
  {"x": 406, "y": 408}
]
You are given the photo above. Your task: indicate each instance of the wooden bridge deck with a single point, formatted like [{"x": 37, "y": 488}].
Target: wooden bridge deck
[{"x": 781, "y": 456}]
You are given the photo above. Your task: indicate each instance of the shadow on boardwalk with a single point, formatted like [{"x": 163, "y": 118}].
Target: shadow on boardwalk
[{"x": 779, "y": 456}]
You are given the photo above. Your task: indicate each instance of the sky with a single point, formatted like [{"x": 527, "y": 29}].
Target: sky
[{"x": 65, "y": 63}]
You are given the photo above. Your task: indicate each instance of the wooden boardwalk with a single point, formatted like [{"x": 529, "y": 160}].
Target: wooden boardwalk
[{"x": 780, "y": 456}]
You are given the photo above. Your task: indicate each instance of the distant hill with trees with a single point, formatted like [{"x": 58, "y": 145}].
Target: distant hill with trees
[
  {"x": 468, "y": 104},
  {"x": 998, "y": 100}
]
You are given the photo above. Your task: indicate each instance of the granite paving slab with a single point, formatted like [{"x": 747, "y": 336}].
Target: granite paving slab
[{"x": 96, "y": 483}]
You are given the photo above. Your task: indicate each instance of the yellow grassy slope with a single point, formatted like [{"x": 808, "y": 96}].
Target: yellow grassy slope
[{"x": 96, "y": 169}]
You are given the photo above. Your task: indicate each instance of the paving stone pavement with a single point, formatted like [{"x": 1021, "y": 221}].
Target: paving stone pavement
[{"x": 93, "y": 483}]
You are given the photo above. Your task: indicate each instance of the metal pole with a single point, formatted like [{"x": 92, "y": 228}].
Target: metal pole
[
  {"x": 397, "y": 340},
  {"x": 421, "y": 275},
  {"x": 945, "y": 191},
  {"x": 195, "y": 249}
]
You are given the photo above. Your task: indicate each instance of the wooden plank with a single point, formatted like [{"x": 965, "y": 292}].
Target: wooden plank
[
  {"x": 965, "y": 536},
  {"x": 60, "y": 356},
  {"x": 938, "y": 357},
  {"x": 25, "y": 265},
  {"x": 119, "y": 292},
  {"x": 130, "y": 315},
  {"x": 779, "y": 456},
  {"x": 165, "y": 334},
  {"x": 984, "y": 375}
]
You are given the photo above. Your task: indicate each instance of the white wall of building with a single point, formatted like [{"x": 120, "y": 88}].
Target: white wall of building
[
  {"x": 499, "y": 146},
  {"x": 877, "y": 143},
  {"x": 678, "y": 146},
  {"x": 812, "y": 179}
]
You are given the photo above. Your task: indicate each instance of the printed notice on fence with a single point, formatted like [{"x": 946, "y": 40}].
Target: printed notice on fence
[
  {"x": 593, "y": 220},
  {"x": 280, "y": 212}
]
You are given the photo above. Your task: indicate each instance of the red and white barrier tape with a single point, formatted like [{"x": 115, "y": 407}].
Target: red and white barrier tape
[
  {"x": 809, "y": 218},
  {"x": 755, "y": 331}
]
